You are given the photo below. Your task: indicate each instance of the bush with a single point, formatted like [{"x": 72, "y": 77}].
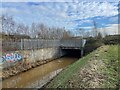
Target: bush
[
  {"x": 92, "y": 44},
  {"x": 112, "y": 39}
]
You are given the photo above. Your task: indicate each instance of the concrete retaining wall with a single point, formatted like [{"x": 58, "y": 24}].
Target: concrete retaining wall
[
  {"x": 31, "y": 56},
  {"x": 43, "y": 54}
]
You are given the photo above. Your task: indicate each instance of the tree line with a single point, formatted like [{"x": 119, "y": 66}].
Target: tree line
[
  {"x": 35, "y": 30},
  {"x": 42, "y": 31}
]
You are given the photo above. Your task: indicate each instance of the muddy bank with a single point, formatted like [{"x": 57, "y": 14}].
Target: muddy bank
[{"x": 22, "y": 66}]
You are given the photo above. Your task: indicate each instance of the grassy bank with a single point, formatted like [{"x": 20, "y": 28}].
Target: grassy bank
[{"x": 97, "y": 69}]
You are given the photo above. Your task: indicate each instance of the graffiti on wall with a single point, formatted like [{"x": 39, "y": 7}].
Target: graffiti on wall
[{"x": 11, "y": 57}]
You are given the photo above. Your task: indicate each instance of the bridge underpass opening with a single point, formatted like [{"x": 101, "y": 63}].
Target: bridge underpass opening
[{"x": 72, "y": 53}]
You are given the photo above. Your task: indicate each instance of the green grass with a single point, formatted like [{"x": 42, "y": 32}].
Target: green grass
[
  {"x": 111, "y": 61},
  {"x": 110, "y": 58}
]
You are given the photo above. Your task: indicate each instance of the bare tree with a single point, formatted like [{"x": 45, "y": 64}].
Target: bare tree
[
  {"x": 87, "y": 34},
  {"x": 81, "y": 32},
  {"x": 49, "y": 33},
  {"x": 7, "y": 24},
  {"x": 21, "y": 29},
  {"x": 66, "y": 34},
  {"x": 59, "y": 33},
  {"x": 35, "y": 30},
  {"x": 42, "y": 30}
]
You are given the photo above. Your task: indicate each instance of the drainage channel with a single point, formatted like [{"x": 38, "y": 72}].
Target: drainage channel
[{"x": 39, "y": 76}]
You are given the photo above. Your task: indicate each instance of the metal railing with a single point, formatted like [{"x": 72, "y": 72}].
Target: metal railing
[{"x": 27, "y": 44}]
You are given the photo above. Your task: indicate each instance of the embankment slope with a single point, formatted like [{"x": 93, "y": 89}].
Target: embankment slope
[{"x": 98, "y": 69}]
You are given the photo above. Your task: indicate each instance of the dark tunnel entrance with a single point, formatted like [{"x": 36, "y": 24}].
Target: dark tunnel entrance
[{"x": 72, "y": 53}]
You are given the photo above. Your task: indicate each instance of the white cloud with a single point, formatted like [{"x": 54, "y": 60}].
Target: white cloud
[
  {"x": 79, "y": 10},
  {"x": 92, "y": 9},
  {"x": 76, "y": 1},
  {"x": 10, "y": 11},
  {"x": 110, "y": 30},
  {"x": 36, "y": 1},
  {"x": 86, "y": 28},
  {"x": 60, "y": 14}
]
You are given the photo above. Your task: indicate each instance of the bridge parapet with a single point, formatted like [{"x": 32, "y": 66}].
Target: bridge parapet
[{"x": 73, "y": 43}]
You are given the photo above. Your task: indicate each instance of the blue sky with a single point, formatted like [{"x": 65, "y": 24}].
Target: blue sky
[{"x": 71, "y": 15}]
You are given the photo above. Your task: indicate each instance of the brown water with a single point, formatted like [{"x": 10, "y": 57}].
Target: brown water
[{"x": 27, "y": 78}]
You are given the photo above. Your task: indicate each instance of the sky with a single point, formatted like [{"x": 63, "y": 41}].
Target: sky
[{"x": 72, "y": 15}]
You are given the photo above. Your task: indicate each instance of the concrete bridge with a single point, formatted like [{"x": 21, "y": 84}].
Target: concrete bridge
[
  {"x": 33, "y": 50},
  {"x": 73, "y": 44}
]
